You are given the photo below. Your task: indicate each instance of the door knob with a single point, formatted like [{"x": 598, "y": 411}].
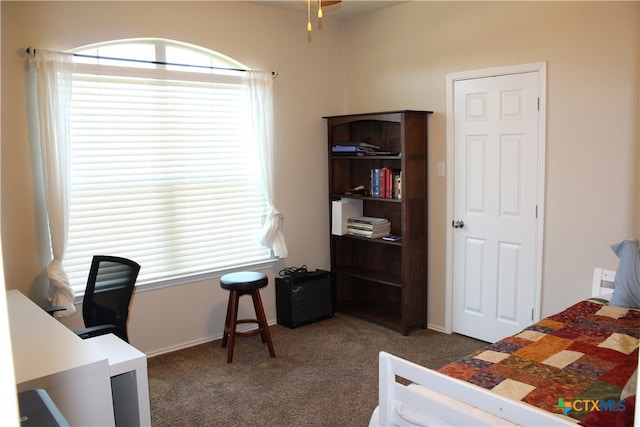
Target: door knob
[{"x": 457, "y": 224}]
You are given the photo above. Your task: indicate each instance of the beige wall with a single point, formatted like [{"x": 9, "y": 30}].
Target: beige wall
[
  {"x": 308, "y": 86},
  {"x": 399, "y": 58},
  {"x": 395, "y": 58}
]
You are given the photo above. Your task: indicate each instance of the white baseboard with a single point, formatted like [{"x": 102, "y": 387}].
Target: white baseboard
[
  {"x": 438, "y": 328},
  {"x": 200, "y": 341}
]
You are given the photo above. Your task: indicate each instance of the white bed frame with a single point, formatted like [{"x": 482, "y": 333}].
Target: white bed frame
[
  {"x": 602, "y": 286},
  {"x": 440, "y": 400}
]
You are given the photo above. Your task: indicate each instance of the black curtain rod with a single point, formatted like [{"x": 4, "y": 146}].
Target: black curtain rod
[{"x": 32, "y": 51}]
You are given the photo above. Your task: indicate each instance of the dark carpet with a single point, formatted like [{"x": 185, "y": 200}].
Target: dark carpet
[{"x": 325, "y": 374}]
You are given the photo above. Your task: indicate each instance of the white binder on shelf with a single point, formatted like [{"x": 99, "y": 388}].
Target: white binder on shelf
[{"x": 341, "y": 211}]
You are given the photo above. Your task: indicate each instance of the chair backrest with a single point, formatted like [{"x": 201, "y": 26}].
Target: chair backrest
[{"x": 108, "y": 292}]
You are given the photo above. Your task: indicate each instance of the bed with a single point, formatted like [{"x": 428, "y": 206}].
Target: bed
[{"x": 577, "y": 366}]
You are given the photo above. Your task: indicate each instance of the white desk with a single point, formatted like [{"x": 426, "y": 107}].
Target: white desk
[
  {"x": 48, "y": 355},
  {"x": 129, "y": 380},
  {"x": 99, "y": 381}
]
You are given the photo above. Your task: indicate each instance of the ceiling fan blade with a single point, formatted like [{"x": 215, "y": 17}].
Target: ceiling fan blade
[{"x": 329, "y": 2}]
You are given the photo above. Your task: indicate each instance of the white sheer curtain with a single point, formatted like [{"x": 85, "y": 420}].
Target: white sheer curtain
[
  {"x": 260, "y": 91},
  {"x": 54, "y": 71}
]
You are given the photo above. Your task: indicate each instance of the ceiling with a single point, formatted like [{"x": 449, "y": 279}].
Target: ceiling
[{"x": 344, "y": 10}]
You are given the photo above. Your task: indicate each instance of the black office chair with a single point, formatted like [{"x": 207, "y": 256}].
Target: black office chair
[{"x": 105, "y": 306}]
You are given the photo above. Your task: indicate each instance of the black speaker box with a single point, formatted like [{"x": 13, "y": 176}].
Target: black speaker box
[{"x": 303, "y": 298}]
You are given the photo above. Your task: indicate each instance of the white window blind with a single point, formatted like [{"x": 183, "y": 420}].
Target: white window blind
[{"x": 162, "y": 172}]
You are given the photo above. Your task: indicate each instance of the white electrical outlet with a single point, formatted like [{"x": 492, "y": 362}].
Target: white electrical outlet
[{"x": 440, "y": 171}]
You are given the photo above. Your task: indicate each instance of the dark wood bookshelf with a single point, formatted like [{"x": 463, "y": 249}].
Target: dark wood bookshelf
[{"x": 379, "y": 280}]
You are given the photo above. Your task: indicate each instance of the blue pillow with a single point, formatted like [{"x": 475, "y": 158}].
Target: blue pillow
[{"x": 627, "y": 285}]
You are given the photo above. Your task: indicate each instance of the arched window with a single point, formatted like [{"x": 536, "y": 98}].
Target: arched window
[
  {"x": 157, "y": 53},
  {"x": 162, "y": 168}
]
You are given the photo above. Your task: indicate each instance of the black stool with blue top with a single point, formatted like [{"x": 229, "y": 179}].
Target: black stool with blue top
[{"x": 238, "y": 284}]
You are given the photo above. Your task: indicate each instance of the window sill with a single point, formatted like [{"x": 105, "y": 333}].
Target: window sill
[{"x": 185, "y": 280}]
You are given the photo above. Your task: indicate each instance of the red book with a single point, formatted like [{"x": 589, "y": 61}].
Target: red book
[
  {"x": 389, "y": 183},
  {"x": 382, "y": 182}
]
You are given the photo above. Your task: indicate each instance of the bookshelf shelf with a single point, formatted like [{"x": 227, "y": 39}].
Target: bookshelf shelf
[
  {"x": 373, "y": 241},
  {"x": 377, "y": 199},
  {"x": 383, "y": 278},
  {"x": 385, "y": 316},
  {"x": 363, "y": 158},
  {"x": 379, "y": 280}
]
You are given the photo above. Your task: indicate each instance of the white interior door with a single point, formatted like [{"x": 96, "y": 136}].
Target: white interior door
[{"x": 496, "y": 224}]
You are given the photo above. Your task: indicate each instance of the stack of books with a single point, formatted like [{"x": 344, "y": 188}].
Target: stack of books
[
  {"x": 354, "y": 148},
  {"x": 369, "y": 227}
]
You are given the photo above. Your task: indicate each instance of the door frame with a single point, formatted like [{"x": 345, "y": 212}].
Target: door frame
[{"x": 452, "y": 78}]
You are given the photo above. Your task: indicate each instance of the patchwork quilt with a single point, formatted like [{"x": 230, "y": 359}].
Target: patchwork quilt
[{"x": 572, "y": 363}]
